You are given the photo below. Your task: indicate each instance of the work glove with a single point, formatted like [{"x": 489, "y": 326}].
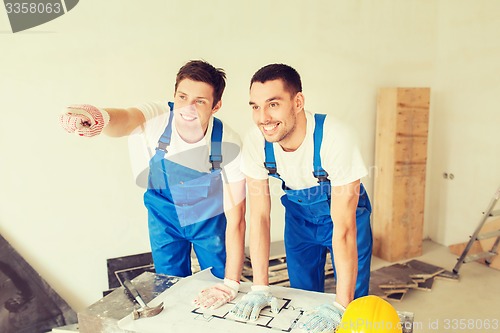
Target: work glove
[
  {"x": 250, "y": 305},
  {"x": 84, "y": 120},
  {"x": 325, "y": 318},
  {"x": 218, "y": 295}
]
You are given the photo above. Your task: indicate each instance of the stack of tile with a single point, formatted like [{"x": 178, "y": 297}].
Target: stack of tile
[
  {"x": 394, "y": 281},
  {"x": 390, "y": 282}
]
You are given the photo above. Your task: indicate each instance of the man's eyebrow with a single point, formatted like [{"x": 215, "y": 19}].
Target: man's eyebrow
[
  {"x": 199, "y": 97},
  {"x": 276, "y": 98}
]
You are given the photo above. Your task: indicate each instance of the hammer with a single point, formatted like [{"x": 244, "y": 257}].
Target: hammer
[{"x": 144, "y": 310}]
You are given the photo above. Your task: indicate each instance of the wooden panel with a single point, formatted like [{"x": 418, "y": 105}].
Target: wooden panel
[
  {"x": 384, "y": 161},
  {"x": 410, "y": 150},
  {"x": 400, "y": 160}
]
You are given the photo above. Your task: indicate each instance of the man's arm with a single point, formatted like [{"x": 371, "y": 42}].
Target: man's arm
[
  {"x": 250, "y": 305},
  {"x": 343, "y": 210},
  {"x": 260, "y": 223},
  {"x": 123, "y": 121},
  {"x": 234, "y": 208}
]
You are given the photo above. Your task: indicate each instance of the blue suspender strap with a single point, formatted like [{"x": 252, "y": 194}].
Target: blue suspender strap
[
  {"x": 270, "y": 164},
  {"x": 270, "y": 161},
  {"x": 216, "y": 145},
  {"x": 164, "y": 141},
  {"x": 318, "y": 170}
]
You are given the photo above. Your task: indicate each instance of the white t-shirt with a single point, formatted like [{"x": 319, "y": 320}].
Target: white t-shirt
[
  {"x": 340, "y": 156},
  {"x": 144, "y": 140}
]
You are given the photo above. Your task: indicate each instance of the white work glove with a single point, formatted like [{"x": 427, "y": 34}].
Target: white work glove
[
  {"x": 84, "y": 120},
  {"x": 218, "y": 295},
  {"x": 325, "y": 318},
  {"x": 250, "y": 305}
]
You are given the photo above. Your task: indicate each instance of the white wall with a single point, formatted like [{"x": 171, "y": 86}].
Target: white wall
[
  {"x": 69, "y": 203},
  {"x": 465, "y": 118}
]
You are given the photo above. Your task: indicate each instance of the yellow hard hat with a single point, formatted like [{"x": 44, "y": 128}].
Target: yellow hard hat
[{"x": 370, "y": 314}]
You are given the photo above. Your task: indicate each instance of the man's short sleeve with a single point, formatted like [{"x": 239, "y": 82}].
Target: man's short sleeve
[
  {"x": 143, "y": 140},
  {"x": 153, "y": 109},
  {"x": 253, "y": 155},
  {"x": 231, "y": 151},
  {"x": 340, "y": 151}
]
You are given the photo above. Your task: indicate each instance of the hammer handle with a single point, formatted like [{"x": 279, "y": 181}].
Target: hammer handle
[{"x": 131, "y": 289}]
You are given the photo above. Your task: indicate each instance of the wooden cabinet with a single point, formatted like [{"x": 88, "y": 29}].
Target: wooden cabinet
[{"x": 400, "y": 167}]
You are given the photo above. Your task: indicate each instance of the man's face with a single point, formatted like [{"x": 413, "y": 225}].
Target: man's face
[
  {"x": 193, "y": 102},
  {"x": 274, "y": 110}
]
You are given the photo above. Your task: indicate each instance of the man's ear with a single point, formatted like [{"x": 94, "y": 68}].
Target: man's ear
[
  {"x": 299, "y": 101},
  {"x": 217, "y": 107}
]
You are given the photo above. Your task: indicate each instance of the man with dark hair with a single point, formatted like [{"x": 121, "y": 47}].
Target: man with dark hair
[
  {"x": 195, "y": 192},
  {"x": 326, "y": 207}
]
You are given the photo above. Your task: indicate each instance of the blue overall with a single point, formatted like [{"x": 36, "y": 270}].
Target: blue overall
[
  {"x": 185, "y": 208},
  {"x": 309, "y": 227}
]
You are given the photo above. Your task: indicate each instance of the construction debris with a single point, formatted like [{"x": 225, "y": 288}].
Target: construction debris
[
  {"x": 389, "y": 282},
  {"x": 394, "y": 281}
]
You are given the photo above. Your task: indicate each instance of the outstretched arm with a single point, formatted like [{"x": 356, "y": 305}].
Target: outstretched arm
[{"x": 123, "y": 121}]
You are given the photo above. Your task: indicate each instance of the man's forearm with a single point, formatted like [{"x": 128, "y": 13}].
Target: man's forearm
[
  {"x": 343, "y": 211},
  {"x": 346, "y": 265},
  {"x": 260, "y": 223},
  {"x": 235, "y": 241},
  {"x": 259, "y": 251},
  {"x": 123, "y": 121}
]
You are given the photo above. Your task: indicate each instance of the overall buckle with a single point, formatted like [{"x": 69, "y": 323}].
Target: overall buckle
[
  {"x": 162, "y": 146},
  {"x": 321, "y": 175},
  {"x": 271, "y": 168},
  {"x": 216, "y": 161}
]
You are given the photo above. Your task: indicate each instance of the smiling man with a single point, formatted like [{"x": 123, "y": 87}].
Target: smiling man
[
  {"x": 326, "y": 208},
  {"x": 195, "y": 192}
]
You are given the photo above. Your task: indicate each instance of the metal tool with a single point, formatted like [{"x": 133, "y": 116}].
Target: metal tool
[{"x": 144, "y": 310}]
